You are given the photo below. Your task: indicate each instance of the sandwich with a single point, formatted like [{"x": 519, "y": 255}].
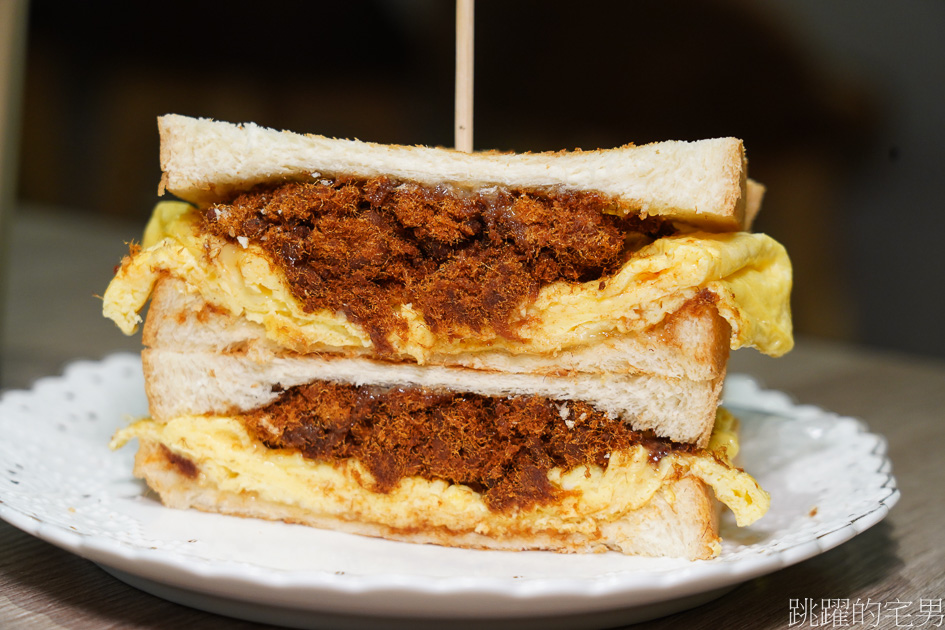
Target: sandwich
[{"x": 484, "y": 350}]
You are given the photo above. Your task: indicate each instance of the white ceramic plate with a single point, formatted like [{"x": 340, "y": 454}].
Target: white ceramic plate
[{"x": 829, "y": 479}]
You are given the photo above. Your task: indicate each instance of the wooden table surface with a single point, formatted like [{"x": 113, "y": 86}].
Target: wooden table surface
[{"x": 52, "y": 317}]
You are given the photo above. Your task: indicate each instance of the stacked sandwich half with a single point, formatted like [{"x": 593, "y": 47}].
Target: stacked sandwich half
[{"x": 509, "y": 351}]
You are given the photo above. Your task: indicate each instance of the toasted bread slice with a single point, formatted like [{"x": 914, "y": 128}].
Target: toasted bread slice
[
  {"x": 702, "y": 183},
  {"x": 201, "y": 360},
  {"x": 692, "y": 342},
  {"x": 679, "y": 520}
]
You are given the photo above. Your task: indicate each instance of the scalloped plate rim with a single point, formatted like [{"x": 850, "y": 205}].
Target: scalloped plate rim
[{"x": 633, "y": 588}]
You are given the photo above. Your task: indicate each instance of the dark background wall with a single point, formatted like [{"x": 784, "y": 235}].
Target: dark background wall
[{"x": 839, "y": 103}]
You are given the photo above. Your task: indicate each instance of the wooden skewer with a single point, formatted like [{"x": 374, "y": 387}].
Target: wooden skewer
[{"x": 464, "y": 75}]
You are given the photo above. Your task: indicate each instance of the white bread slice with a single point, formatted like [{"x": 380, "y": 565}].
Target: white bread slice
[
  {"x": 681, "y": 520},
  {"x": 201, "y": 360},
  {"x": 702, "y": 183},
  {"x": 200, "y": 383},
  {"x": 691, "y": 343}
]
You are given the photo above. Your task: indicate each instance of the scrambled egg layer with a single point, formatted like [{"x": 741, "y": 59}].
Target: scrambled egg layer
[
  {"x": 749, "y": 273},
  {"x": 228, "y": 459}
]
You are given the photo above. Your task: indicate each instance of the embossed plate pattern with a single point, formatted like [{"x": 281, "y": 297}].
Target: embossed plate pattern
[{"x": 60, "y": 482}]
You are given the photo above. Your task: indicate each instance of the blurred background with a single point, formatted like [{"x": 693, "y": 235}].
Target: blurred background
[{"x": 840, "y": 104}]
